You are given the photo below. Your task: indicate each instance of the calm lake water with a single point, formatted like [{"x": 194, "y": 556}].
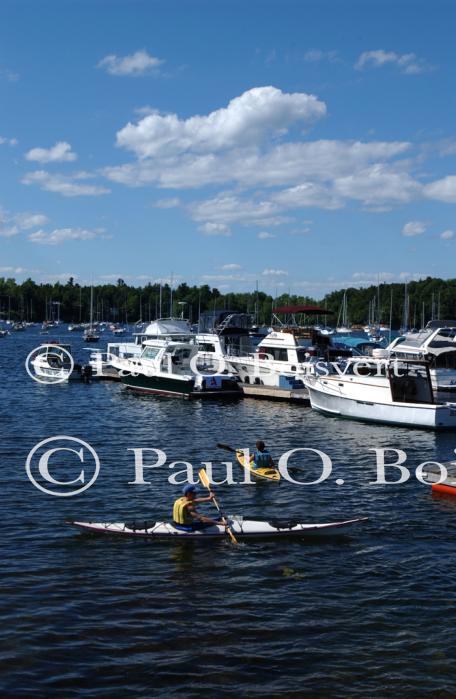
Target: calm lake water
[{"x": 367, "y": 616}]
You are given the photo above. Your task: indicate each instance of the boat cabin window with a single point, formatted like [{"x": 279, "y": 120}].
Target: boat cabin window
[
  {"x": 410, "y": 383},
  {"x": 446, "y": 360},
  {"x": 150, "y": 352},
  {"x": 445, "y": 337},
  {"x": 302, "y": 355},
  {"x": 279, "y": 354},
  {"x": 206, "y": 347},
  {"x": 183, "y": 353}
]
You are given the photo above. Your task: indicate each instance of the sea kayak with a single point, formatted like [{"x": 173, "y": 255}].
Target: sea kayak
[
  {"x": 242, "y": 528},
  {"x": 260, "y": 474}
]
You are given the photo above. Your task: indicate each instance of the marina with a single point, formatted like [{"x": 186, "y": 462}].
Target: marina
[{"x": 299, "y": 574}]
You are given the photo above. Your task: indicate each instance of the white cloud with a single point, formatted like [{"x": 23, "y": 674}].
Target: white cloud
[
  {"x": 447, "y": 235},
  {"x": 15, "y": 270},
  {"x": 442, "y": 190},
  {"x": 378, "y": 184},
  {"x": 26, "y": 220},
  {"x": 228, "y": 208},
  {"x": 413, "y": 228},
  {"x": 316, "y": 55},
  {"x": 275, "y": 273},
  {"x": 283, "y": 164},
  {"x": 59, "y": 153},
  {"x": 300, "y": 231},
  {"x": 231, "y": 265},
  {"x": 8, "y": 141},
  {"x": 372, "y": 277},
  {"x": 67, "y": 185},
  {"x": 136, "y": 64},
  {"x": 407, "y": 63},
  {"x": 9, "y": 75},
  {"x": 245, "y": 121},
  {"x": 171, "y": 203},
  {"x": 264, "y": 235},
  {"x": 209, "y": 228},
  {"x": 309, "y": 194},
  {"x": 8, "y": 231},
  {"x": 12, "y": 224},
  {"x": 61, "y": 235}
]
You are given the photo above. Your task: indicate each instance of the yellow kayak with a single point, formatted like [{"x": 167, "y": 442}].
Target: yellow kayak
[{"x": 261, "y": 474}]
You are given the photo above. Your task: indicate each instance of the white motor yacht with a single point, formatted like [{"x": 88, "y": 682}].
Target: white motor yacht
[{"x": 379, "y": 389}]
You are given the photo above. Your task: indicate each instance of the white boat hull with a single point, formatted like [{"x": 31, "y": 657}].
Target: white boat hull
[{"x": 427, "y": 415}]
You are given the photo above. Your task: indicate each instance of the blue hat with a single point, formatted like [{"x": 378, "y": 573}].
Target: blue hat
[{"x": 189, "y": 488}]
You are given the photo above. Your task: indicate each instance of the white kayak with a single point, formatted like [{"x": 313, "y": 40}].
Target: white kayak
[{"x": 242, "y": 528}]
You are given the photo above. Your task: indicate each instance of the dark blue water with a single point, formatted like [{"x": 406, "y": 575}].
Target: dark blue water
[{"x": 367, "y": 616}]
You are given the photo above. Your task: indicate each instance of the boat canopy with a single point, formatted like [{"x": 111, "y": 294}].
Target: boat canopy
[
  {"x": 166, "y": 327},
  {"x": 309, "y": 310}
]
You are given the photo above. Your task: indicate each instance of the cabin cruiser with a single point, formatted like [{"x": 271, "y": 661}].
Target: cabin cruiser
[
  {"x": 169, "y": 367},
  {"x": 288, "y": 352},
  {"x": 165, "y": 328},
  {"x": 437, "y": 344},
  {"x": 381, "y": 389},
  {"x": 285, "y": 356}
]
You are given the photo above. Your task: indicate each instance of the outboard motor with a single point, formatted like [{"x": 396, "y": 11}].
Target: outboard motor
[{"x": 87, "y": 373}]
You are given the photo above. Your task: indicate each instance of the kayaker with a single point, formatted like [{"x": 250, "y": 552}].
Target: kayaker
[
  {"x": 261, "y": 458},
  {"x": 185, "y": 514}
]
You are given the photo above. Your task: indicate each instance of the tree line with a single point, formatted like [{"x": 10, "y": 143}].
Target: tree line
[{"x": 408, "y": 305}]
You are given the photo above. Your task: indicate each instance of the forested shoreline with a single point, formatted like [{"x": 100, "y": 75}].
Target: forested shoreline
[{"x": 408, "y": 304}]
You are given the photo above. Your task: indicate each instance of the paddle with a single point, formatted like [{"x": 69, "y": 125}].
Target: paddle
[
  {"x": 205, "y": 481},
  {"x": 227, "y": 447}
]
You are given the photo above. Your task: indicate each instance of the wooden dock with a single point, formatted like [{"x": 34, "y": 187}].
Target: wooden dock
[{"x": 295, "y": 395}]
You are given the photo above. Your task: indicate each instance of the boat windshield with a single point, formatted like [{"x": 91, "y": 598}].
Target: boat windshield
[
  {"x": 150, "y": 352},
  {"x": 206, "y": 347}
]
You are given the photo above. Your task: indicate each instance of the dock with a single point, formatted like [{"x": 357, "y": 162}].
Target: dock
[
  {"x": 108, "y": 373},
  {"x": 294, "y": 395}
]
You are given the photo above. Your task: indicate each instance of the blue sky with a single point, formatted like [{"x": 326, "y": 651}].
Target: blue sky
[{"x": 306, "y": 145}]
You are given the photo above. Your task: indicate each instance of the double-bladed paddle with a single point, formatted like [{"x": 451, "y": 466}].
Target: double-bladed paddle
[{"x": 205, "y": 481}]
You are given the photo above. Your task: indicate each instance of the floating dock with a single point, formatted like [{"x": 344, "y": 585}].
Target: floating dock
[
  {"x": 106, "y": 374},
  {"x": 294, "y": 395}
]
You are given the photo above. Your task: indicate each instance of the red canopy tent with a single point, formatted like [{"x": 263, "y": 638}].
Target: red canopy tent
[{"x": 309, "y": 310}]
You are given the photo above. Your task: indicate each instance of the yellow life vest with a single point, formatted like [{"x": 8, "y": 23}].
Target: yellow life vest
[{"x": 180, "y": 511}]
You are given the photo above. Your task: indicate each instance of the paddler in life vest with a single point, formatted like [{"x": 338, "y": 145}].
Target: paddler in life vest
[
  {"x": 185, "y": 514},
  {"x": 261, "y": 458}
]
